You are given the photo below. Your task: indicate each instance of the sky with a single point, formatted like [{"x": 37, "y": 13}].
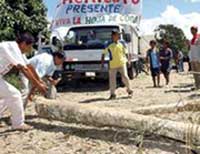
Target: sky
[{"x": 181, "y": 13}]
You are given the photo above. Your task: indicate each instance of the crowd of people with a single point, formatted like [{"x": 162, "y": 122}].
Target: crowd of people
[
  {"x": 36, "y": 72},
  {"x": 160, "y": 60}
]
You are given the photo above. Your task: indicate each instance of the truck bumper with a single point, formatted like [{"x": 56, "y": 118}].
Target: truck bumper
[
  {"x": 85, "y": 74},
  {"x": 80, "y": 70}
]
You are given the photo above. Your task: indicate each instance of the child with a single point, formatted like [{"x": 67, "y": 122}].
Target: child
[
  {"x": 166, "y": 56},
  {"x": 118, "y": 63},
  {"x": 154, "y": 64}
]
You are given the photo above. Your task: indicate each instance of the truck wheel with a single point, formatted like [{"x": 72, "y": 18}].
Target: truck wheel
[{"x": 131, "y": 72}]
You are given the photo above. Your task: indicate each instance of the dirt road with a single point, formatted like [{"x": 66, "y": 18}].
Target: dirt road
[{"x": 53, "y": 137}]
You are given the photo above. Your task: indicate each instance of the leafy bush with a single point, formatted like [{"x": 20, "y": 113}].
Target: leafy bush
[{"x": 13, "y": 78}]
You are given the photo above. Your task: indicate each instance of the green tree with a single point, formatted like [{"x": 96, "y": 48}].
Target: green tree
[
  {"x": 22, "y": 15},
  {"x": 174, "y": 35}
]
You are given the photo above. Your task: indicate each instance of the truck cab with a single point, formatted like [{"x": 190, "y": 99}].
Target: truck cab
[{"x": 84, "y": 45}]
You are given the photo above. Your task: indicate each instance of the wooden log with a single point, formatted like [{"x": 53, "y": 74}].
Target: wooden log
[
  {"x": 101, "y": 117},
  {"x": 171, "y": 108}
]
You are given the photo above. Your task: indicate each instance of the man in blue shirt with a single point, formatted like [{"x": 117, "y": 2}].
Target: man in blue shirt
[{"x": 154, "y": 63}]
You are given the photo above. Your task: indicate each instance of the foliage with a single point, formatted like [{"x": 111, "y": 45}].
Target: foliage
[
  {"x": 174, "y": 35},
  {"x": 21, "y": 15},
  {"x": 13, "y": 79}
]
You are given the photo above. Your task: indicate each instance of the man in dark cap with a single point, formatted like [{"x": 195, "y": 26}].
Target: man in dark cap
[{"x": 118, "y": 63}]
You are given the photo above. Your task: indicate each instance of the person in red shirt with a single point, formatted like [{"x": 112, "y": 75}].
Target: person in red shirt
[
  {"x": 194, "y": 55},
  {"x": 194, "y": 31}
]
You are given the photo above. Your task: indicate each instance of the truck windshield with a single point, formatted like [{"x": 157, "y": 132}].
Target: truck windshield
[{"x": 97, "y": 37}]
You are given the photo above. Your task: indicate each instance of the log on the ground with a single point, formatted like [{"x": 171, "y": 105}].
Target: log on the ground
[
  {"x": 171, "y": 108},
  {"x": 101, "y": 117},
  {"x": 180, "y": 90}
]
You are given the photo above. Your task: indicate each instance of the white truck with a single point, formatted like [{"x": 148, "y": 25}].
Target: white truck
[
  {"x": 85, "y": 44},
  {"x": 85, "y": 28}
]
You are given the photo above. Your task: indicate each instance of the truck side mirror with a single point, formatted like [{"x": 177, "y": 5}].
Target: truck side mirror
[
  {"x": 54, "y": 41},
  {"x": 127, "y": 37}
]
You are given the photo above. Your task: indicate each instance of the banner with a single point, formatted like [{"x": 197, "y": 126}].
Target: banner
[{"x": 73, "y": 12}]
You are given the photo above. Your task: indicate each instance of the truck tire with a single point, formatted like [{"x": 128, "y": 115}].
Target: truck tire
[{"x": 131, "y": 72}]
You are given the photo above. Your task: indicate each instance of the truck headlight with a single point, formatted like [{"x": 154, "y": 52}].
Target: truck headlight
[{"x": 67, "y": 67}]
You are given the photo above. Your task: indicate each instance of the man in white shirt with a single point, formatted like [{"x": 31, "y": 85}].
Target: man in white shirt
[
  {"x": 11, "y": 55},
  {"x": 44, "y": 65}
]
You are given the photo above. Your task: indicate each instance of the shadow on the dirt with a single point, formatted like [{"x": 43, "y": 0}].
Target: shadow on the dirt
[
  {"x": 194, "y": 96},
  {"x": 152, "y": 87},
  {"x": 7, "y": 123},
  {"x": 113, "y": 135},
  {"x": 184, "y": 86},
  {"x": 93, "y": 100},
  {"x": 84, "y": 85},
  {"x": 7, "y": 120},
  {"x": 180, "y": 90}
]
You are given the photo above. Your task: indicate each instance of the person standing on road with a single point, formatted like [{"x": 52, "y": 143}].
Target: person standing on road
[
  {"x": 154, "y": 63},
  {"x": 166, "y": 56},
  {"x": 118, "y": 63},
  {"x": 12, "y": 56},
  {"x": 194, "y": 55}
]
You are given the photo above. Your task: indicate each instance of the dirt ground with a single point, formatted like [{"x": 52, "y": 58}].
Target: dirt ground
[{"x": 53, "y": 137}]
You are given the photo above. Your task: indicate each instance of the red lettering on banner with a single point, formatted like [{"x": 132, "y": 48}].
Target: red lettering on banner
[
  {"x": 99, "y": 1},
  {"x": 87, "y": 1},
  {"x": 65, "y": 1},
  {"x": 77, "y": 20},
  {"x": 78, "y": 1},
  {"x": 60, "y": 22},
  {"x": 107, "y": 1},
  {"x": 135, "y": 1},
  {"x": 116, "y": 1},
  {"x": 125, "y": 1}
]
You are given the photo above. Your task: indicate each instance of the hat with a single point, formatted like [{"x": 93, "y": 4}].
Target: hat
[{"x": 115, "y": 31}]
